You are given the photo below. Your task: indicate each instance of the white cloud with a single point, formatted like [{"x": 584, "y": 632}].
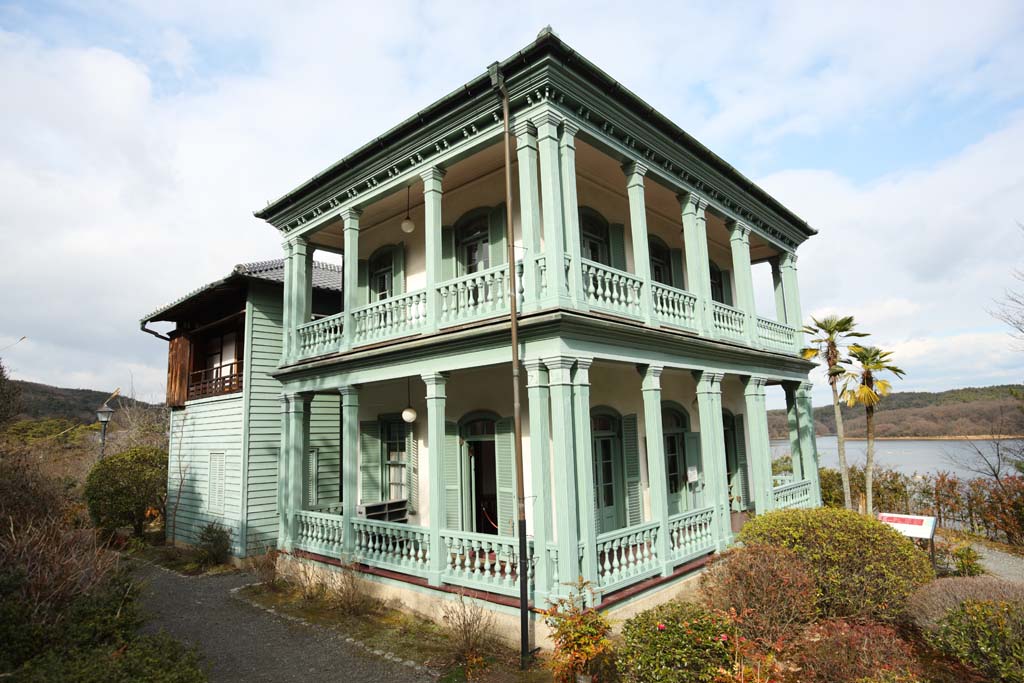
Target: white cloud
[{"x": 122, "y": 189}]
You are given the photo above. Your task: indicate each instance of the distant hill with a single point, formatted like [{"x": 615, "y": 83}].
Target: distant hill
[
  {"x": 44, "y": 401},
  {"x": 973, "y": 411}
]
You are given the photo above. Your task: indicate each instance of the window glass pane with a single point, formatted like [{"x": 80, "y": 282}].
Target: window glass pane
[
  {"x": 480, "y": 428},
  {"x": 609, "y": 495}
]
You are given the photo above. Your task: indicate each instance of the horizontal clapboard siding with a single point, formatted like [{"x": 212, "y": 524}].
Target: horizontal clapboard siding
[
  {"x": 205, "y": 432},
  {"x": 264, "y": 395}
]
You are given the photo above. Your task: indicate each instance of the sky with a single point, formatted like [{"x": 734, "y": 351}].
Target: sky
[{"x": 138, "y": 138}]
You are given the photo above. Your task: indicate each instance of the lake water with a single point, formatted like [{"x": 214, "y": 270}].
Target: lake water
[{"x": 924, "y": 457}]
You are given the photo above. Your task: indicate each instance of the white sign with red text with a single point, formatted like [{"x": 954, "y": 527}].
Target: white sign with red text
[{"x": 914, "y": 526}]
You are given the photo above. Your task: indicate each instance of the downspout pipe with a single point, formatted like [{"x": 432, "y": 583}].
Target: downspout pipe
[
  {"x": 522, "y": 568},
  {"x": 142, "y": 326}
]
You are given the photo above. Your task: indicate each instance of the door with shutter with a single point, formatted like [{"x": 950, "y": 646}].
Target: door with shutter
[
  {"x": 695, "y": 490},
  {"x": 412, "y": 471},
  {"x": 505, "y": 466},
  {"x": 742, "y": 476},
  {"x": 369, "y": 462},
  {"x": 451, "y": 472},
  {"x": 631, "y": 459}
]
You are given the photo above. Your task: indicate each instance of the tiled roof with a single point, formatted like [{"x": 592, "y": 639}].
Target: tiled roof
[{"x": 326, "y": 276}]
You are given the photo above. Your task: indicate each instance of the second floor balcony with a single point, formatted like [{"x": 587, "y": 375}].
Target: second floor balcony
[{"x": 619, "y": 246}]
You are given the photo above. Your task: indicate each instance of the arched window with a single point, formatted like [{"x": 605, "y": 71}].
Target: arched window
[
  {"x": 675, "y": 424},
  {"x": 721, "y": 291},
  {"x": 594, "y": 239},
  {"x": 661, "y": 269}
]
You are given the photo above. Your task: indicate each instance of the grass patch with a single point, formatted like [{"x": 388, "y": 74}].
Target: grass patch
[
  {"x": 185, "y": 561},
  {"x": 400, "y": 633}
]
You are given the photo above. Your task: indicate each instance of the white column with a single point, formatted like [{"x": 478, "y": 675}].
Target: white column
[
  {"x": 791, "y": 292},
  {"x": 350, "y": 274},
  {"x": 656, "y": 471},
  {"x": 739, "y": 242},
  {"x": 349, "y": 467},
  {"x": 759, "y": 455},
  {"x": 538, "y": 396},
  {"x": 432, "y": 239},
  {"x": 551, "y": 200},
  {"x": 294, "y": 449},
  {"x": 585, "y": 468},
  {"x": 635, "y": 172},
  {"x": 571, "y": 213},
  {"x": 712, "y": 447},
  {"x": 529, "y": 208},
  {"x": 808, "y": 445},
  {"x": 698, "y": 273},
  {"x": 436, "y": 398},
  {"x": 564, "y": 469}
]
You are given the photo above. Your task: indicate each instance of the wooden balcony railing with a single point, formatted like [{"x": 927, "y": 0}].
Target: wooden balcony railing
[{"x": 225, "y": 379}]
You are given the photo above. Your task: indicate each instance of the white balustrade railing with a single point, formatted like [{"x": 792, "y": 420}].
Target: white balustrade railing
[
  {"x": 540, "y": 269},
  {"x": 552, "y": 559},
  {"x": 674, "y": 306},
  {"x": 483, "y": 561},
  {"x": 728, "y": 321},
  {"x": 318, "y": 532},
  {"x": 473, "y": 296},
  {"x": 691, "y": 533},
  {"x": 776, "y": 336},
  {"x": 611, "y": 289},
  {"x": 782, "y": 479},
  {"x": 392, "y": 545},
  {"x": 626, "y": 555},
  {"x": 391, "y": 317},
  {"x": 795, "y": 495},
  {"x": 321, "y": 336}
]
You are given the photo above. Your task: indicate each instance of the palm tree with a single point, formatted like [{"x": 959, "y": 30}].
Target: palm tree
[
  {"x": 830, "y": 336},
  {"x": 862, "y": 387}
]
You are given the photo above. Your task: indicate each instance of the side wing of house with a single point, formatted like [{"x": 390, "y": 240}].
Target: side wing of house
[{"x": 263, "y": 394}]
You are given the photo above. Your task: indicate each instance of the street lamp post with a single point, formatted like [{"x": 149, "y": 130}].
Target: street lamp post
[{"x": 103, "y": 414}]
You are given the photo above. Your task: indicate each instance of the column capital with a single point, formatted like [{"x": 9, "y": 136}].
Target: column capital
[
  {"x": 708, "y": 382},
  {"x": 803, "y": 390},
  {"x": 693, "y": 203},
  {"x": 753, "y": 385},
  {"x": 525, "y": 132},
  {"x": 635, "y": 171},
  {"x": 536, "y": 372},
  {"x": 787, "y": 259},
  {"x": 738, "y": 231},
  {"x": 581, "y": 376},
  {"x": 547, "y": 123},
  {"x": 432, "y": 178},
  {"x": 559, "y": 369},
  {"x": 297, "y": 242},
  {"x": 651, "y": 377},
  {"x": 436, "y": 383},
  {"x": 351, "y": 217},
  {"x": 295, "y": 402},
  {"x": 349, "y": 395},
  {"x": 569, "y": 131}
]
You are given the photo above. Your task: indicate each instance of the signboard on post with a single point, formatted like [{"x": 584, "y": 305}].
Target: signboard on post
[{"x": 914, "y": 526}]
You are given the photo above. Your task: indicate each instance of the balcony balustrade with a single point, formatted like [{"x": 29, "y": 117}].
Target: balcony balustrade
[
  {"x": 484, "y": 294},
  {"x": 223, "y": 379}
]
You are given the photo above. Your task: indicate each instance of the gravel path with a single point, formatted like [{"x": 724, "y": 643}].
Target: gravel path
[
  {"x": 998, "y": 563},
  {"x": 242, "y": 643}
]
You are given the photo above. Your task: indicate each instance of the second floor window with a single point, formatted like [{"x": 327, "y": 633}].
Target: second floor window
[
  {"x": 382, "y": 276},
  {"x": 473, "y": 248},
  {"x": 661, "y": 270},
  {"x": 594, "y": 241},
  {"x": 220, "y": 354}
]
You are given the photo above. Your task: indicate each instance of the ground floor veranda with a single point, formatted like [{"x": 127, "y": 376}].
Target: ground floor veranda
[{"x": 632, "y": 471}]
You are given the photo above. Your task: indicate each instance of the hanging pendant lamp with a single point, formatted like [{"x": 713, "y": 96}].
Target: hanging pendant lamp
[
  {"x": 407, "y": 227},
  {"x": 409, "y": 414}
]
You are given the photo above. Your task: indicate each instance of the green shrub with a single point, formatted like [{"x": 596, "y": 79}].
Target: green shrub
[
  {"x": 863, "y": 568},
  {"x": 677, "y": 641},
  {"x": 580, "y": 635},
  {"x": 967, "y": 561},
  {"x": 214, "y": 544},
  {"x": 122, "y": 488},
  {"x": 838, "y": 651},
  {"x": 154, "y": 659},
  {"x": 931, "y": 602},
  {"x": 986, "y": 634},
  {"x": 769, "y": 588}
]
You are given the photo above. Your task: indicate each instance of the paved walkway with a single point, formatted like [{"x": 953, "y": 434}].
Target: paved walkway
[
  {"x": 242, "y": 643},
  {"x": 998, "y": 563}
]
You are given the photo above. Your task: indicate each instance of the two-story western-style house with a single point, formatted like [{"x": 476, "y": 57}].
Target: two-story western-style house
[{"x": 644, "y": 360}]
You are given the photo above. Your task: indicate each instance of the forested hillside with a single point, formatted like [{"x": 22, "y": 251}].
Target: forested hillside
[
  {"x": 43, "y": 401},
  {"x": 973, "y": 411}
]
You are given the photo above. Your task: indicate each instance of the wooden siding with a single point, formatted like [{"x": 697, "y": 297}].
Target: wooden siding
[
  {"x": 179, "y": 362},
  {"x": 211, "y": 427},
  {"x": 263, "y": 394}
]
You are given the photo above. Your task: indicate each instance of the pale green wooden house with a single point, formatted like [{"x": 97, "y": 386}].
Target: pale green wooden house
[{"x": 645, "y": 361}]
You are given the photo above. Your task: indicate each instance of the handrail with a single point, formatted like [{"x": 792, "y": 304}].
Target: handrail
[
  {"x": 403, "y": 313},
  {"x": 479, "y": 560},
  {"x": 319, "y": 532},
  {"x": 470, "y": 296},
  {"x": 727, "y": 319},
  {"x": 795, "y": 495},
  {"x": 318, "y": 336},
  {"x": 691, "y": 533},
  {"x": 627, "y": 554},
  {"x": 776, "y": 335},
  {"x": 674, "y": 306},
  {"x": 223, "y": 379},
  {"x": 611, "y": 288},
  {"x": 391, "y": 545}
]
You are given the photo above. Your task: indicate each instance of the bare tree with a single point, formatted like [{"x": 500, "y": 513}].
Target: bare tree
[
  {"x": 1011, "y": 308},
  {"x": 996, "y": 458}
]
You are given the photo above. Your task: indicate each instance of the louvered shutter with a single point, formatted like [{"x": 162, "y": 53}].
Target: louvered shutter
[
  {"x": 363, "y": 283},
  {"x": 631, "y": 458},
  {"x": 617, "y": 245},
  {"x": 215, "y": 482},
  {"x": 369, "y": 462},
  {"x": 505, "y": 466},
  {"x": 694, "y": 459},
  {"x": 312, "y": 478},
  {"x": 742, "y": 476},
  {"x": 727, "y": 288},
  {"x": 412, "y": 470},
  {"x": 398, "y": 269},
  {"x": 496, "y": 235},
  {"x": 675, "y": 257},
  {"x": 447, "y": 253},
  {"x": 451, "y": 472}
]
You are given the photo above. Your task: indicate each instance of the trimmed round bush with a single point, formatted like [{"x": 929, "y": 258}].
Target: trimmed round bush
[
  {"x": 840, "y": 651},
  {"x": 863, "y": 568},
  {"x": 120, "y": 489},
  {"x": 931, "y": 602},
  {"x": 987, "y": 635},
  {"x": 677, "y": 641},
  {"x": 770, "y": 589}
]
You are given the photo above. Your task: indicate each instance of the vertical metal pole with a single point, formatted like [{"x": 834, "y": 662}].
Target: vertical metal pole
[
  {"x": 103, "y": 439},
  {"x": 523, "y": 567}
]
